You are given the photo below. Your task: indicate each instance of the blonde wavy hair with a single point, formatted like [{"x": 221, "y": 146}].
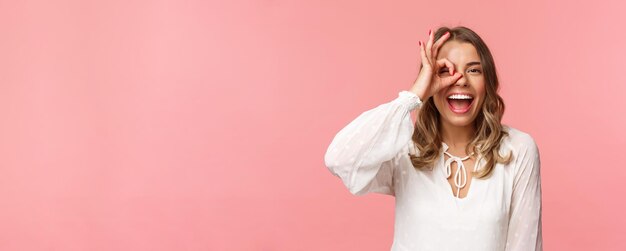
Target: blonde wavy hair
[{"x": 489, "y": 130}]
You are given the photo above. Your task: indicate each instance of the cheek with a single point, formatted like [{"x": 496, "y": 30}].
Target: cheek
[
  {"x": 441, "y": 103},
  {"x": 481, "y": 101},
  {"x": 480, "y": 91},
  {"x": 480, "y": 86}
]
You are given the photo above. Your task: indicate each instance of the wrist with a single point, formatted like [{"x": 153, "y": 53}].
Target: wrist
[
  {"x": 420, "y": 93},
  {"x": 409, "y": 99}
]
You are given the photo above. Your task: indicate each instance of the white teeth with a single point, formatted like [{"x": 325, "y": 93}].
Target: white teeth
[{"x": 459, "y": 96}]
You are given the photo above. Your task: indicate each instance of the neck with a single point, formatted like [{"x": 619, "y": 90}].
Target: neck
[{"x": 457, "y": 137}]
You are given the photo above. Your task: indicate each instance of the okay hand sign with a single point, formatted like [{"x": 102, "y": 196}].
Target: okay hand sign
[{"x": 428, "y": 82}]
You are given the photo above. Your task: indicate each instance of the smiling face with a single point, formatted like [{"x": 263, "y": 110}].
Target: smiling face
[{"x": 461, "y": 110}]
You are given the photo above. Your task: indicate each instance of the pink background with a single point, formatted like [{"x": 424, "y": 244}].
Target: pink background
[{"x": 195, "y": 125}]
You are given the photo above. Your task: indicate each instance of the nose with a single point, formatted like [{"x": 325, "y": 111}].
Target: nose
[{"x": 461, "y": 81}]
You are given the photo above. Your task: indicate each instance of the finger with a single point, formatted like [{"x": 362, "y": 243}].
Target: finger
[
  {"x": 429, "y": 44},
  {"x": 449, "y": 80},
  {"x": 445, "y": 62},
  {"x": 440, "y": 42},
  {"x": 452, "y": 79},
  {"x": 423, "y": 54}
]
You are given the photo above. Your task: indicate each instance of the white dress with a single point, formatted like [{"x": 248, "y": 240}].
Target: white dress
[{"x": 503, "y": 212}]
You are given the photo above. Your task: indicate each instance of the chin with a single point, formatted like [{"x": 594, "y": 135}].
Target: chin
[{"x": 459, "y": 122}]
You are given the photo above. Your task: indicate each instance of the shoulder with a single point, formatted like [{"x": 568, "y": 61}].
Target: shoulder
[
  {"x": 520, "y": 142},
  {"x": 518, "y": 138}
]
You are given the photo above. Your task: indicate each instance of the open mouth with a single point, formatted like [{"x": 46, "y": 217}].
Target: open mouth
[{"x": 460, "y": 103}]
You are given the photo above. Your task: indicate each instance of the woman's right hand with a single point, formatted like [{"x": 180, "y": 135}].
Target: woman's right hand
[{"x": 428, "y": 81}]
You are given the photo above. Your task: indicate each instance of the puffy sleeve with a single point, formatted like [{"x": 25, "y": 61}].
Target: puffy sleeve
[
  {"x": 525, "y": 214},
  {"x": 364, "y": 153}
]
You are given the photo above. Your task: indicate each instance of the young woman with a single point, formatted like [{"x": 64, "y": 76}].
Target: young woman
[{"x": 461, "y": 179}]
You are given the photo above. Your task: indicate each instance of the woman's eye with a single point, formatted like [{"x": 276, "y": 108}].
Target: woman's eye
[
  {"x": 475, "y": 70},
  {"x": 443, "y": 70}
]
